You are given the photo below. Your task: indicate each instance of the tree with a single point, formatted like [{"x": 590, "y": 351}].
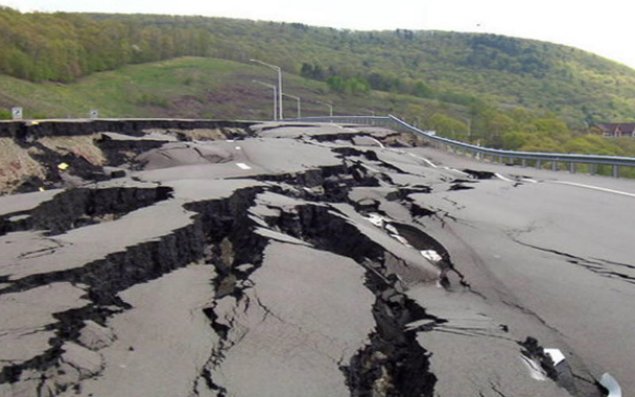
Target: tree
[{"x": 448, "y": 126}]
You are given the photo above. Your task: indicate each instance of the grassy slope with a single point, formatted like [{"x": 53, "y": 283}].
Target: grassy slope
[
  {"x": 570, "y": 82},
  {"x": 187, "y": 87},
  {"x": 575, "y": 85},
  {"x": 216, "y": 88}
]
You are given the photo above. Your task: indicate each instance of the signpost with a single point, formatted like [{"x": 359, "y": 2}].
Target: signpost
[{"x": 16, "y": 113}]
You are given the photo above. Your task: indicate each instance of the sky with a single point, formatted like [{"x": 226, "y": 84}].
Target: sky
[{"x": 604, "y": 27}]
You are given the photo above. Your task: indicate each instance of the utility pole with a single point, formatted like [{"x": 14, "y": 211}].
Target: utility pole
[
  {"x": 275, "y": 97},
  {"x": 299, "y": 103},
  {"x": 279, "y": 70}
]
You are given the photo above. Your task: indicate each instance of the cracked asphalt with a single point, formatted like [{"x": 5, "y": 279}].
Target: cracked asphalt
[{"x": 292, "y": 259}]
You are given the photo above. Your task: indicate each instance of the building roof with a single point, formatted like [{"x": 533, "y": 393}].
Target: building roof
[{"x": 625, "y": 128}]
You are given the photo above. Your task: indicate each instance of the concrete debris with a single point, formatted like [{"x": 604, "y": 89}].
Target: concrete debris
[{"x": 95, "y": 336}]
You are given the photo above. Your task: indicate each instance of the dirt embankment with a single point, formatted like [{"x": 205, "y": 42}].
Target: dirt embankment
[{"x": 48, "y": 154}]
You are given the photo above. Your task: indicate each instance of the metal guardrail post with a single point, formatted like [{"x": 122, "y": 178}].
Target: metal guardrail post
[{"x": 616, "y": 171}]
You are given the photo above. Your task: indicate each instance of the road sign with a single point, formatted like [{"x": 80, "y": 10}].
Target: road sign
[
  {"x": 16, "y": 113},
  {"x": 94, "y": 114}
]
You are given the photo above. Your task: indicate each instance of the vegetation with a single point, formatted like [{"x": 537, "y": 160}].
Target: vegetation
[{"x": 496, "y": 90}]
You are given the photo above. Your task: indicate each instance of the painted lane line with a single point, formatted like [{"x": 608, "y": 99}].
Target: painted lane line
[
  {"x": 243, "y": 166},
  {"x": 611, "y": 385},
  {"x": 401, "y": 239},
  {"x": 376, "y": 219},
  {"x": 556, "y": 355},
  {"x": 457, "y": 171},
  {"x": 389, "y": 227},
  {"x": 431, "y": 255},
  {"x": 381, "y": 145},
  {"x": 239, "y": 148},
  {"x": 430, "y": 163},
  {"x": 600, "y": 189},
  {"x": 535, "y": 371},
  {"x": 502, "y": 177},
  {"x": 529, "y": 180},
  {"x": 369, "y": 168}
]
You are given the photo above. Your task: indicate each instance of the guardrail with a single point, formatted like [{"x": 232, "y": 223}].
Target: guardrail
[{"x": 503, "y": 156}]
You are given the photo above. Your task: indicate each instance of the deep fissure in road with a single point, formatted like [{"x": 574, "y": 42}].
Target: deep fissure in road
[{"x": 222, "y": 234}]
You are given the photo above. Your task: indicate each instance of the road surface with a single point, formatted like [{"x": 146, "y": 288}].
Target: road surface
[{"x": 315, "y": 260}]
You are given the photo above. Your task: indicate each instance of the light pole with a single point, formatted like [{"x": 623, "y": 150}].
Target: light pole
[
  {"x": 279, "y": 70},
  {"x": 275, "y": 97},
  {"x": 329, "y": 105},
  {"x": 468, "y": 121},
  {"x": 299, "y": 103}
]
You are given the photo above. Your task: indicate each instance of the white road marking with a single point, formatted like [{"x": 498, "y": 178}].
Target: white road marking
[
  {"x": 430, "y": 163},
  {"x": 381, "y": 145},
  {"x": 455, "y": 170},
  {"x": 502, "y": 177},
  {"x": 230, "y": 140},
  {"x": 243, "y": 166},
  {"x": 431, "y": 255},
  {"x": 369, "y": 168},
  {"x": 601, "y": 189},
  {"x": 390, "y": 228},
  {"x": 376, "y": 219},
  {"x": 611, "y": 385},
  {"x": 529, "y": 180},
  {"x": 534, "y": 368},
  {"x": 401, "y": 240},
  {"x": 239, "y": 148},
  {"x": 556, "y": 355}
]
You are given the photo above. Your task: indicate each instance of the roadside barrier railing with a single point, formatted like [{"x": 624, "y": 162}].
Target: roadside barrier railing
[{"x": 537, "y": 159}]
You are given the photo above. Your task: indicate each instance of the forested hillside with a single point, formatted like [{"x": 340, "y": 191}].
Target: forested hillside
[{"x": 504, "y": 91}]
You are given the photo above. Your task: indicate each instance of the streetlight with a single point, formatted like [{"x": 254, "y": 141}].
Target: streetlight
[
  {"x": 279, "y": 70},
  {"x": 469, "y": 127},
  {"x": 329, "y": 105},
  {"x": 275, "y": 100},
  {"x": 299, "y": 103}
]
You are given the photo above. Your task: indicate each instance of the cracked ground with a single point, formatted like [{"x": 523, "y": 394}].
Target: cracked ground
[{"x": 309, "y": 259}]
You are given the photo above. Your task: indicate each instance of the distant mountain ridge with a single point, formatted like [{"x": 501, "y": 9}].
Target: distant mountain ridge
[{"x": 455, "y": 68}]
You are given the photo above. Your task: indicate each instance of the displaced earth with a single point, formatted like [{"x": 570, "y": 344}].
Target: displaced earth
[{"x": 305, "y": 259}]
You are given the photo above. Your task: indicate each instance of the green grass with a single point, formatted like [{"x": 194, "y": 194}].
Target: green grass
[
  {"x": 192, "y": 87},
  {"x": 187, "y": 87},
  {"x": 132, "y": 91}
]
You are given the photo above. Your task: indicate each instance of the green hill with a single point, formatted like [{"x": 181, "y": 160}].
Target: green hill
[
  {"x": 506, "y": 92},
  {"x": 189, "y": 87}
]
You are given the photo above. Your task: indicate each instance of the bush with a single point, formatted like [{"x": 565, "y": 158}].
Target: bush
[{"x": 152, "y": 100}]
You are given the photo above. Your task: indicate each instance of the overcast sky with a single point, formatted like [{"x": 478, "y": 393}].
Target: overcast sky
[{"x": 605, "y": 27}]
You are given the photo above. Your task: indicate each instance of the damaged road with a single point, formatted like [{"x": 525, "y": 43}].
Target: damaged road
[{"x": 280, "y": 260}]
